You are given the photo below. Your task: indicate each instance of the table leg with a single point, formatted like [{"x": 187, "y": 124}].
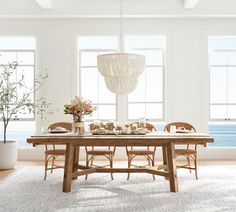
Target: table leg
[
  {"x": 172, "y": 167},
  {"x": 68, "y": 167},
  {"x": 164, "y": 155},
  {"x": 75, "y": 161}
]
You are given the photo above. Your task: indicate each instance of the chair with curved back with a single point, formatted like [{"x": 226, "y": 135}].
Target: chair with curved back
[
  {"x": 107, "y": 152},
  {"x": 53, "y": 152},
  {"x": 148, "y": 153},
  {"x": 188, "y": 153}
]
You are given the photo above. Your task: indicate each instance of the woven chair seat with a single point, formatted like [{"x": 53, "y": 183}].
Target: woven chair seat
[
  {"x": 185, "y": 151},
  {"x": 100, "y": 152},
  {"x": 56, "y": 152},
  {"x": 141, "y": 152}
]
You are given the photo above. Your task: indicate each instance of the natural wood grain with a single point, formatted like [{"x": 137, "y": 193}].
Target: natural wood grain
[
  {"x": 119, "y": 140},
  {"x": 92, "y": 153},
  {"x": 172, "y": 167},
  {"x": 120, "y": 163},
  {"x": 68, "y": 167},
  {"x": 73, "y": 141},
  {"x": 53, "y": 153},
  {"x": 75, "y": 160},
  {"x": 164, "y": 156},
  {"x": 85, "y": 172},
  {"x": 148, "y": 152},
  {"x": 187, "y": 153},
  {"x": 150, "y": 170}
]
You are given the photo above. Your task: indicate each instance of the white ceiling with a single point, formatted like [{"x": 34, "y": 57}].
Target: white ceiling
[
  {"x": 110, "y": 8},
  {"x": 44, "y": 4},
  {"x": 190, "y": 4}
]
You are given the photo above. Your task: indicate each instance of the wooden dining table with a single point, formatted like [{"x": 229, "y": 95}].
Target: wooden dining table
[{"x": 73, "y": 168}]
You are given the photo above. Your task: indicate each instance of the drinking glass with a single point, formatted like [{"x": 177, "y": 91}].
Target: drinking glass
[
  {"x": 172, "y": 129},
  {"x": 142, "y": 122}
]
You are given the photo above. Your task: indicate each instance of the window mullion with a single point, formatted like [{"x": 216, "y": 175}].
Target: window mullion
[
  {"x": 227, "y": 91},
  {"x": 145, "y": 105},
  {"x": 98, "y": 95},
  {"x": 121, "y": 108}
]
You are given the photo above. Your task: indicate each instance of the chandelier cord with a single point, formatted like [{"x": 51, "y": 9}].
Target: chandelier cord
[{"x": 121, "y": 27}]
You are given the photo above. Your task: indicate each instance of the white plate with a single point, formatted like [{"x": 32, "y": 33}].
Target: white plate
[
  {"x": 58, "y": 131},
  {"x": 183, "y": 131}
]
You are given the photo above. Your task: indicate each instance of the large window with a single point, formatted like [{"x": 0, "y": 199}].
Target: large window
[
  {"x": 222, "y": 69},
  {"x": 92, "y": 85},
  {"x": 147, "y": 100},
  {"x": 22, "y": 51},
  {"x": 222, "y": 84},
  {"x": 148, "y": 97}
]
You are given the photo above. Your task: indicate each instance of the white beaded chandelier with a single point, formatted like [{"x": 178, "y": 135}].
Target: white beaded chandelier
[{"x": 121, "y": 70}]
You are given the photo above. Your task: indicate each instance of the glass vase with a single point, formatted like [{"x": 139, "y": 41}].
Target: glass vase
[{"x": 78, "y": 124}]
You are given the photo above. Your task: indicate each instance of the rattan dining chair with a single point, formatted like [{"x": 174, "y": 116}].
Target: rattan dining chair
[
  {"x": 51, "y": 152},
  {"x": 148, "y": 153},
  {"x": 107, "y": 152},
  {"x": 188, "y": 153}
]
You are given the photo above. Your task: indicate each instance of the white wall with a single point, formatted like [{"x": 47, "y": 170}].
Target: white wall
[
  {"x": 111, "y": 8},
  {"x": 186, "y": 74}
]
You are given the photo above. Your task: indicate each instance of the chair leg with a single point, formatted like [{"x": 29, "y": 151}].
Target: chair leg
[
  {"x": 189, "y": 165},
  {"x": 53, "y": 161},
  {"x": 111, "y": 165},
  {"x": 91, "y": 163},
  {"x": 87, "y": 164},
  {"x": 129, "y": 162},
  {"x": 149, "y": 161},
  {"x": 46, "y": 166},
  {"x": 153, "y": 164},
  {"x": 195, "y": 164}
]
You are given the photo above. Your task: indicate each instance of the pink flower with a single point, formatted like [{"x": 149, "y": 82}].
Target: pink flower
[{"x": 79, "y": 107}]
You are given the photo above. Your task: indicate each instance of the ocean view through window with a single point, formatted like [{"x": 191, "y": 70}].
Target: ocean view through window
[
  {"x": 19, "y": 131},
  {"x": 224, "y": 134},
  {"x": 222, "y": 80}
]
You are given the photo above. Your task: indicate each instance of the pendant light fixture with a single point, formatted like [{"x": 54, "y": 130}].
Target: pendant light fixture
[{"x": 121, "y": 70}]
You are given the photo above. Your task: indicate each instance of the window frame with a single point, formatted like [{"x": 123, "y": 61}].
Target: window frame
[
  {"x": 34, "y": 68},
  {"x": 226, "y": 119},
  {"x": 80, "y": 51},
  {"x": 163, "y": 86},
  {"x": 122, "y": 100}
]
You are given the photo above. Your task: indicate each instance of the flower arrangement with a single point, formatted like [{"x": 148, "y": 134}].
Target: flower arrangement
[{"x": 79, "y": 108}]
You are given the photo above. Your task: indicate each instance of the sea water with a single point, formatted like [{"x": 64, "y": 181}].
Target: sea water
[{"x": 224, "y": 134}]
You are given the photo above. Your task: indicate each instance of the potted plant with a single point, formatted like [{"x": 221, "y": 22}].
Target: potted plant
[{"x": 13, "y": 102}]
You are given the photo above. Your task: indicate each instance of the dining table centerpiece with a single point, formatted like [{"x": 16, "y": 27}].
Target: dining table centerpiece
[{"x": 79, "y": 108}]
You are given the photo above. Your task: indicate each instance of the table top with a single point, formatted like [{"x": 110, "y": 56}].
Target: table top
[
  {"x": 152, "y": 134},
  {"x": 155, "y": 138}
]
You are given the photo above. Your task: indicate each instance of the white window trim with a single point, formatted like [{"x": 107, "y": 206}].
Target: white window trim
[
  {"x": 79, "y": 79},
  {"x": 226, "y": 119},
  {"x": 163, "y": 89}
]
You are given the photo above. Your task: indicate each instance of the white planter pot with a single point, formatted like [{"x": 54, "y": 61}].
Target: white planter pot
[{"x": 8, "y": 155}]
